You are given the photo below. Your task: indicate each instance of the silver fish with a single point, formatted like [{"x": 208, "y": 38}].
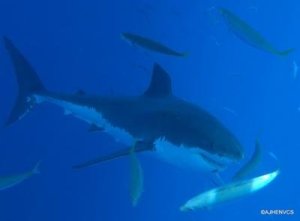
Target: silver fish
[{"x": 12, "y": 180}]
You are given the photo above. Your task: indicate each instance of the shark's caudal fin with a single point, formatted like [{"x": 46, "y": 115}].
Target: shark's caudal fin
[
  {"x": 28, "y": 82},
  {"x": 140, "y": 147}
]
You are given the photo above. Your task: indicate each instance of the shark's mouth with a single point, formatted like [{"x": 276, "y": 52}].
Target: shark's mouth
[{"x": 191, "y": 157}]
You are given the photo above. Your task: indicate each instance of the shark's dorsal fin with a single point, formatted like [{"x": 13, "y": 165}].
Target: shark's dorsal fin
[{"x": 161, "y": 84}]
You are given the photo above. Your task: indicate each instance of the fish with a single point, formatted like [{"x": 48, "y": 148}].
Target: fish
[
  {"x": 248, "y": 34},
  {"x": 137, "y": 178},
  {"x": 9, "y": 181},
  {"x": 295, "y": 69},
  {"x": 166, "y": 127},
  {"x": 251, "y": 164},
  {"x": 228, "y": 192},
  {"x": 150, "y": 44}
]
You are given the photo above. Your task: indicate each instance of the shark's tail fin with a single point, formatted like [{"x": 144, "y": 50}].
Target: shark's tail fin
[{"x": 28, "y": 82}]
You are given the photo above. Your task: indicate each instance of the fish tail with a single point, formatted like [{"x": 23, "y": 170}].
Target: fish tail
[
  {"x": 251, "y": 164},
  {"x": 36, "y": 169},
  {"x": 286, "y": 52},
  {"x": 136, "y": 172},
  {"x": 28, "y": 83},
  {"x": 185, "y": 54}
]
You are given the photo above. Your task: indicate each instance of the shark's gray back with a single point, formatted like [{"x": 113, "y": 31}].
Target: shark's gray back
[{"x": 159, "y": 114}]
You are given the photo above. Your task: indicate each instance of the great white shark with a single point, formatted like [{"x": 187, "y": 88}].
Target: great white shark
[{"x": 175, "y": 130}]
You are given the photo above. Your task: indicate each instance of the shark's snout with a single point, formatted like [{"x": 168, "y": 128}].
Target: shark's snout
[
  {"x": 235, "y": 152},
  {"x": 226, "y": 145}
]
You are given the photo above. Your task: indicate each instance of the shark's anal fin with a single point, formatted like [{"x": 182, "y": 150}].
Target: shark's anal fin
[
  {"x": 161, "y": 85},
  {"x": 141, "y": 146},
  {"x": 95, "y": 128}
]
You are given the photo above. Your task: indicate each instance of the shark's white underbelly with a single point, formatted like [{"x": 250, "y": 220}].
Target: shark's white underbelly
[{"x": 92, "y": 117}]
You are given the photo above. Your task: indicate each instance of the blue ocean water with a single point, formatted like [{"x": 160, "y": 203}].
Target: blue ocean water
[{"x": 76, "y": 45}]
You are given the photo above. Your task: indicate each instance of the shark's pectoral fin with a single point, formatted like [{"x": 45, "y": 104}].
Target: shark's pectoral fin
[
  {"x": 95, "y": 128},
  {"x": 141, "y": 146}
]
